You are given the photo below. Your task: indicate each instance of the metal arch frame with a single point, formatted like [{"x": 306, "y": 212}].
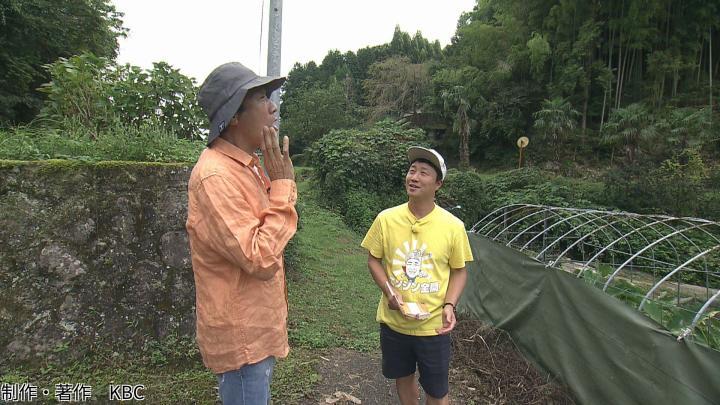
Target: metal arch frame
[
  {"x": 635, "y": 224},
  {"x": 561, "y": 237},
  {"x": 555, "y": 214},
  {"x": 619, "y": 218},
  {"x": 474, "y": 230},
  {"x": 556, "y": 211},
  {"x": 690, "y": 221},
  {"x": 508, "y": 214},
  {"x": 687, "y": 221},
  {"x": 544, "y": 219},
  {"x": 521, "y": 219},
  {"x": 703, "y": 309},
  {"x": 500, "y": 216},
  {"x": 627, "y": 218},
  {"x": 670, "y": 274},
  {"x": 595, "y": 218},
  {"x": 684, "y": 220},
  {"x": 612, "y": 276},
  {"x": 624, "y": 218},
  {"x": 677, "y": 254},
  {"x": 636, "y": 217},
  {"x": 601, "y": 251},
  {"x": 552, "y": 226},
  {"x": 664, "y": 223}
]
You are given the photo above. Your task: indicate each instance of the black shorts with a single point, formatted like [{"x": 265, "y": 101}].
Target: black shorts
[{"x": 401, "y": 353}]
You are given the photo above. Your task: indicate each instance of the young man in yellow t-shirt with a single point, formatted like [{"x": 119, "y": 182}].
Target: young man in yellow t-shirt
[{"x": 417, "y": 255}]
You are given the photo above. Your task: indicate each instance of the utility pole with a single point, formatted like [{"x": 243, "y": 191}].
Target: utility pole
[{"x": 274, "y": 45}]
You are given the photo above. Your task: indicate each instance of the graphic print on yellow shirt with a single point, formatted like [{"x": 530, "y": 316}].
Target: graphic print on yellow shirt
[
  {"x": 417, "y": 257},
  {"x": 410, "y": 266}
]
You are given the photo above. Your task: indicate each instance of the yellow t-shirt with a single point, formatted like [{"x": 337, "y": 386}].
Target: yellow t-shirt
[{"x": 418, "y": 256}]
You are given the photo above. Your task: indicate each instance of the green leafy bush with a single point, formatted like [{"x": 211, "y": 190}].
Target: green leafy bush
[
  {"x": 97, "y": 93},
  {"x": 468, "y": 190},
  {"x": 374, "y": 160},
  {"x": 313, "y": 112},
  {"x": 681, "y": 186},
  {"x": 361, "y": 172},
  {"x": 361, "y": 207},
  {"x": 36, "y": 32}
]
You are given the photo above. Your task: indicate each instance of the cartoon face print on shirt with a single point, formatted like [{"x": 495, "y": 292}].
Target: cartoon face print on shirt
[
  {"x": 413, "y": 265},
  {"x": 410, "y": 268}
]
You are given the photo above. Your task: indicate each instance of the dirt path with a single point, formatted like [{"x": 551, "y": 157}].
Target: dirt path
[
  {"x": 486, "y": 368},
  {"x": 359, "y": 375},
  {"x": 354, "y": 373}
]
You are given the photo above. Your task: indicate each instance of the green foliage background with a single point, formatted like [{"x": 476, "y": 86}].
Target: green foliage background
[
  {"x": 37, "y": 32},
  {"x": 618, "y": 97}
]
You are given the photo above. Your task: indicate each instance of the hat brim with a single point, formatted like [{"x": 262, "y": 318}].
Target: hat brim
[{"x": 225, "y": 113}]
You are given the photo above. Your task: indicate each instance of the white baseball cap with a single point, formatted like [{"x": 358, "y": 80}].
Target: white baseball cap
[{"x": 431, "y": 155}]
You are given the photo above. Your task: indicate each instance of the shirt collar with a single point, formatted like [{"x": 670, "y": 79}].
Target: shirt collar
[
  {"x": 233, "y": 152},
  {"x": 424, "y": 219}
]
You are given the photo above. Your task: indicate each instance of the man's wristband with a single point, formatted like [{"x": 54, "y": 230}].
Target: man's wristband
[{"x": 449, "y": 303}]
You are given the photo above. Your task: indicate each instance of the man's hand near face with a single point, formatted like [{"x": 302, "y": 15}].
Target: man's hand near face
[{"x": 277, "y": 162}]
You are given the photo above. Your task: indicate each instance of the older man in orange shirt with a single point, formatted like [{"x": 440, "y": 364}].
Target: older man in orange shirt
[{"x": 240, "y": 218}]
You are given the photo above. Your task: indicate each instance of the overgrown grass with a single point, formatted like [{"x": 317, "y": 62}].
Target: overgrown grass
[
  {"x": 170, "y": 370},
  {"x": 145, "y": 143},
  {"x": 184, "y": 382},
  {"x": 332, "y": 303},
  {"x": 332, "y": 297}
]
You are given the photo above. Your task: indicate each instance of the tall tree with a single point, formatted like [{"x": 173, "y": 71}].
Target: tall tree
[
  {"x": 315, "y": 111},
  {"x": 37, "y": 32},
  {"x": 396, "y": 87},
  {"x": 456, "y": 100}
]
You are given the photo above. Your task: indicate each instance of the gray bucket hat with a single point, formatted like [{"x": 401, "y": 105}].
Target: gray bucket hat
[{"x": 224, "y": 90}]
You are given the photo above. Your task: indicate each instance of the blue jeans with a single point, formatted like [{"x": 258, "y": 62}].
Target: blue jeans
[{"x": 248, "y": 385}]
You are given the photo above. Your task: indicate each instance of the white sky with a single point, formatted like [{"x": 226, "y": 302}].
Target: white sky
[{"x": 197, "y": 36}]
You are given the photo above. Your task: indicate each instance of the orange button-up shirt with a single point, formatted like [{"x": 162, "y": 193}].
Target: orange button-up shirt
[{"x": 238, "y": 225}]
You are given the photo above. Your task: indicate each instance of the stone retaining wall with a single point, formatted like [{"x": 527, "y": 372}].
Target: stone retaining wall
[{"x": 92, "y": 254}]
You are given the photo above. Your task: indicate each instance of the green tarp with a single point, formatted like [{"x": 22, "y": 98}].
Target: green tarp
[{"x": 604, "y": 350}]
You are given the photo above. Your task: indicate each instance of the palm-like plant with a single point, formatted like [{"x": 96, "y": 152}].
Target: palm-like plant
[
  {"x": 455, "y": 100},
  {"x": 555, "y": 120},
  {"x": 687, "y": 127},
  {"x": 629, "y": 127}
]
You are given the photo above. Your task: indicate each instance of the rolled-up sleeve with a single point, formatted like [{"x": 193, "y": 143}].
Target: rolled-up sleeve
[{"x": 253, "y": 242}]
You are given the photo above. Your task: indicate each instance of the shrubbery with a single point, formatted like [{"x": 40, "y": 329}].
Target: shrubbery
[
  {"x": 362, "y": 206},
  {"x": 468, "y": 190},
  {"x": 361, "y": 172},
  {"x": 98, "y": 110},
  {"x": 681, "y": 186},
  {"x": 477, "y": 195},
  {"x": 97, "y": 93}
]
